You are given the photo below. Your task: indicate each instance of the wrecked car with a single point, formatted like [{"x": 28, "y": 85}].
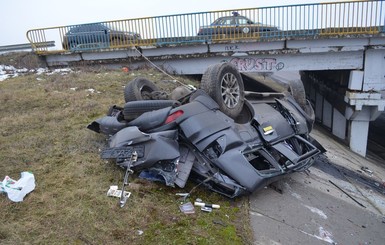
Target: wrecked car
[{"x": 231, "y": 141}]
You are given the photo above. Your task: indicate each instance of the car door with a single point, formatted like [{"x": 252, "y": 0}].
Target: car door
[
  {"x": 233, "y": 25},
  {"x": 244, "y": 25},
  {"x": 225, "y": 25},
  {"x": 85, "y": 36},
  {"x": 100, "y": 35}
]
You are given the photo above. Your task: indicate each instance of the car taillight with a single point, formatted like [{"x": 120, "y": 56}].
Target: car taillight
[{"x": 173, "y": 116}]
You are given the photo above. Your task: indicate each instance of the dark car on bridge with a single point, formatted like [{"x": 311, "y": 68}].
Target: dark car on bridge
[
  {"x": 235, "y": 24},
  {"x": 96, "y": 35}
]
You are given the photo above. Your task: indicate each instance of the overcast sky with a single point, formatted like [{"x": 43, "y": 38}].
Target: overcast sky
[{"x": 19, "y": 16}]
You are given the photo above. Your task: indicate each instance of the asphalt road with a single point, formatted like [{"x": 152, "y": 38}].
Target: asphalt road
[{"x": 329, "y": 204}]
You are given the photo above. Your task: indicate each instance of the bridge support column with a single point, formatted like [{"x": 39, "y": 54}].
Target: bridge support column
[
  {"x": 358, "y": 134},
  {"x": 339, "y": 124},
  {"x": 363, "y": 106}
]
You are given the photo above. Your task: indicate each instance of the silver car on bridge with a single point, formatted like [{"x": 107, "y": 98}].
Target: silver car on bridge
[{"x": 235, "y": 24}]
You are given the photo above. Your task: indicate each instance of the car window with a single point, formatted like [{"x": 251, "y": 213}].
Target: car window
[
  {"x": 244, "y": 21},
  {"x": 228, "y": 21},
  {"x": 88, "y": 28},
  {"x": 217, "y": 22},
  {"x": 97, "y": 27}
]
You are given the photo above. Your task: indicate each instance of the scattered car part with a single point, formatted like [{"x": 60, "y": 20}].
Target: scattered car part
[
  {"x": 139, "y": 89},
  {"x": 339, "y": 188},
  {"x": 206, "y": 209},
  {"x": 123, "y": 198},
  {"x": 202, "y": 204},
  {"x": 187, "y": 208},
  {"x": 114, "y": 192}
]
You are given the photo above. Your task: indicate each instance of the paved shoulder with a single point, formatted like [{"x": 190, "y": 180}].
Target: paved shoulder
[{"x": 323, "y": 206}]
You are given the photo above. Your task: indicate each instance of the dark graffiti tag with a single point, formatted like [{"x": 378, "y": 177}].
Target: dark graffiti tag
[
  {"x": 231, "y": 47},
  {"x": 259, "y": 64}
]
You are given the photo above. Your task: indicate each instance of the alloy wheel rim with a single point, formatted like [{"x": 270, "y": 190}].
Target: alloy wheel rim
[{"x": 230, "y": 90}]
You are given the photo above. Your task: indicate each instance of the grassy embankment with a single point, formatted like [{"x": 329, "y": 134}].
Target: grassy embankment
[{"x": 43, "y": 121}]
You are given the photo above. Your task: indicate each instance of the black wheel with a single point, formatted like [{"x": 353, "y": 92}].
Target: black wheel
[
  {"x": 139, "y": 89},
  {"x": 224, "y": 84},
  {"x": 246, "y": 30},
  {"x": 115, "y": 41},
  {"x": 133, "y": 109},
  {"x": 72, "y": 45},
  {"x": 297, "y": 90}
]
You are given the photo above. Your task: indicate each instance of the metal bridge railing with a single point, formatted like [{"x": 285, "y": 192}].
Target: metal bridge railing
[{"x": 305, "y": 20}]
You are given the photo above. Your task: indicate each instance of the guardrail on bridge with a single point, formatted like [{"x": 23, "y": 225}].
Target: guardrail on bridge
[
  {"x": 283, "y": 22},
  {"x": 24, "y": 46}
]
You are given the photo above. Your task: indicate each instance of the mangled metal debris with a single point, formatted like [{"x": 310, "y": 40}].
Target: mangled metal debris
[{"x": 214, "y": 136}]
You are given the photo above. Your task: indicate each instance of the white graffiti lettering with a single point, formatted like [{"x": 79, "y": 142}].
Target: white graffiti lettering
[{"x": 260, "y": 64}]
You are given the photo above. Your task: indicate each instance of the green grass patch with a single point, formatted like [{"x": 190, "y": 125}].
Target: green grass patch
[{"x": 43, "y": 121}]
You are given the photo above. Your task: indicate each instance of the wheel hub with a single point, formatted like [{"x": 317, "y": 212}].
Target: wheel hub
[{"x": 230, "y": 90}]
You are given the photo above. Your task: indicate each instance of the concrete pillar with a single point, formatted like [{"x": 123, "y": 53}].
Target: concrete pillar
[
  {"x": 327, "y": 114},
  {"x": 339, "y": 124},
  {"x": 318, "y": 106},
  {"x": 358, "y": 135},
  {"x": 358, "y": 128}
]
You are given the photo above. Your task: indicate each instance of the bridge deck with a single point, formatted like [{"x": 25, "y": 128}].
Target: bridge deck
[{"x": 341, "y": 19}]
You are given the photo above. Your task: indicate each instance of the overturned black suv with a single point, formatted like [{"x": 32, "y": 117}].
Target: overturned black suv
[{"x": 232, "y": 141}]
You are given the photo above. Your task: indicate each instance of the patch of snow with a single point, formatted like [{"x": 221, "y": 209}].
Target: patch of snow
[
  {"x": 7, "y": 71},
  {"x": 40, "y": 71},
  {"x": 91, "y": 90},
  {"x": 62, "y": 71}
]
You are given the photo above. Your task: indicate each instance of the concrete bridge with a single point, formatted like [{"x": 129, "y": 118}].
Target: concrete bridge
[{"x": 337, "y": 49}]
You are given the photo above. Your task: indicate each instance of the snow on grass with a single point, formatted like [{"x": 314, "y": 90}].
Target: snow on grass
[{"x": 8, "y": 71}]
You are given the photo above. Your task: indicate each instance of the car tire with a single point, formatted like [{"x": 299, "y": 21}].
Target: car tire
[
  {"x": 246, "y": 30},
  {"x": 133, "y": 109},
  {"x": 115, "y": 41},
  {"x": 223, "y": 83},
  {"x": 72, "y": 45},
  {"x": 139, "y": 89},
  {"x": 297, "y": 90}
]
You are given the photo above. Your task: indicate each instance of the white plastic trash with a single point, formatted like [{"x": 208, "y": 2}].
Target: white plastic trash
[{"x": 17, "y": 190}]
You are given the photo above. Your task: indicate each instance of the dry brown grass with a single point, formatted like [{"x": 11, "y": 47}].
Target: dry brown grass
[{"x": 43, "y": 123}]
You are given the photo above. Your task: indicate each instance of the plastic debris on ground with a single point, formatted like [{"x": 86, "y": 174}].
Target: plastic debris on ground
[
  {"x": 206, "y": 205},
  {"x": 187, "y": 208},
  {"x": 367, "y": 170},
  {"x": 206, "y": 209},
  {"x": 16, "y": 190},
  {"x": 114, "y": 192}
]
